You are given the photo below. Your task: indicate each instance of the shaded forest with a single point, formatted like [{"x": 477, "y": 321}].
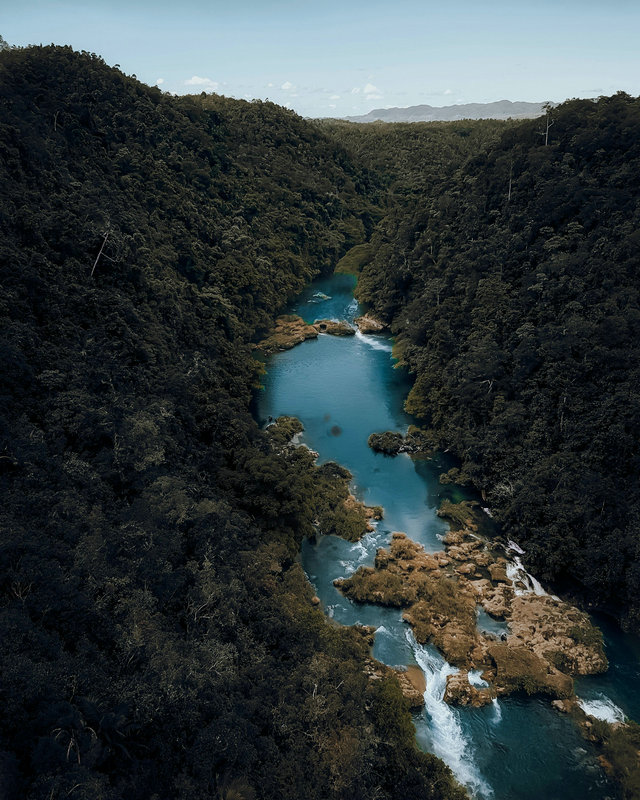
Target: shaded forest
[
  {"x": 159, "y": 638},
  {"x": 512, "y": 288}
]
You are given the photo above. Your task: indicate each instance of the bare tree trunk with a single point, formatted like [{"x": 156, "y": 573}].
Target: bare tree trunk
[{"x": 95, "y": 263}]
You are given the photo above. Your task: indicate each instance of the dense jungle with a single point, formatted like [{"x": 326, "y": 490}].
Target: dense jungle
[{"x": 159, "y": 638}]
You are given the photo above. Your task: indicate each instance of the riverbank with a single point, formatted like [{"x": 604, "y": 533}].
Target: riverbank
[{"x": 343, "y": 390}]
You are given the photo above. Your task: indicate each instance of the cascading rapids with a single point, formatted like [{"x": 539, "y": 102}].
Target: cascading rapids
[
  {"x": 376, "y": 342},
  {"x": 444, "y": 731}
]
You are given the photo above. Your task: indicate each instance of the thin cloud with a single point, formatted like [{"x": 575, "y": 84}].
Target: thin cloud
[
  {"x": 287, "y": 85},
  {"x": 371, "y": 89},
  {"x": 334, "y": 97},
  {"x": 160, "y": 81},
  {"x": 196, "y": 80}
]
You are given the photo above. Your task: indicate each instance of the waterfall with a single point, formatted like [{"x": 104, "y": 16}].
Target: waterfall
[
  {"x": 516, "y": 572},
  {"x": 443, "y": 729},
  {"x": 602, "y": 708}
]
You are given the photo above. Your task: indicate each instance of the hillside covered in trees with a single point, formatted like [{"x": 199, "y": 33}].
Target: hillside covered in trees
[
  {"x": 512, "y": 288},
  {"x": 158, "y": 635},
  {"x": 159, "y": 638}
]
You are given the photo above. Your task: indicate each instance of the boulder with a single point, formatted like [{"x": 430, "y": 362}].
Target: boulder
[
  {"x": 460, "y": 692},
  {"x": 367, "y": 323},
  {"x": 520, "y": 669},
  {"x": 498, "y": 573},
  {"x": 333, "y": 327}
]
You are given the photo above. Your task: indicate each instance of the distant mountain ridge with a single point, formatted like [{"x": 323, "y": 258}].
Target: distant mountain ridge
[{"x": 501, "y": 109}]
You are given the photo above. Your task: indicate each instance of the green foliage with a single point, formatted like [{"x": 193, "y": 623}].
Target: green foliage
[
  {"x": 379, "y": 586},
  {"x": 334, "y": 510},
  {"x": 355, "y": 259},
  {"x": 460, "y": 515},
  {"x": 620, "y": 745},
  {"x": 388, "y": 443},
  {"x": 284, "y": 430},
  {"x": 512, "y": 288},
  {"x": 587, "y": 635},
  {"x": 158, "y": 636}
]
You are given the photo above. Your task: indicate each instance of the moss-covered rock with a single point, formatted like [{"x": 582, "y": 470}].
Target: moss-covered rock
[
  {"x": 558, "y": 632},
  {"x": 369, "y": 324},
  {"x": 288, "y": 331},
  {"x": 412, "y": 687},
  {"x": 460, "y": 692},
  {"x": 520, "y": 669},
  {"x": 415, "y": 442},
  {"x": 459, "y": 515},
  {"x": 390, "y": 443}
]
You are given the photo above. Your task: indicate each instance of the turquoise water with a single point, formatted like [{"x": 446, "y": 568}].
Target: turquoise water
[{"x": 343, "y": 389}]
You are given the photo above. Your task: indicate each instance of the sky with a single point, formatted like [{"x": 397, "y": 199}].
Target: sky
[{"x": 347, "y": 57}]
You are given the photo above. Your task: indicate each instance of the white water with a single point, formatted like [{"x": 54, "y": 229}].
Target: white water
[
  {"x": 319, "y": 297},
  {"x": 475, "y": 679},
  {"x": 517, "y": 573},
  {"x": 376, "y": 342},
  {"x": 604, "y": 709},
  {"x": 446, "y": 738}
]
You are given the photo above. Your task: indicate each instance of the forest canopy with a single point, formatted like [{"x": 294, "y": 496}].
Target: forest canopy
[
  {"x": 512, "y": 288},
  {"x": 158, "y": 635}
]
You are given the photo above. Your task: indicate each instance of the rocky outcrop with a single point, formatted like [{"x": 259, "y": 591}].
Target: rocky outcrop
[
  {"x": 333, "y": 327},
  {"x": 547, "y": 642},
  {"x": 367, "y": 323},
  {"x": 405, "y": 576},
  {"x": 496, "y": 600},
  {"x": 517, "y": 668},
  {"x": 290, "y": 330},
  {"x": 459, "y": 515},
  {"x": 412, "y": 688},
  {"x": 559, "y": 633},
  {"x": 368, "y": 512},
  {"x": 410, "y": 679},
  {"x": 460, "y": 692},
  {"x": 389, "y": 443},
  {"x": 374, "y": 512},
  {"x": 415, "y": 441}
]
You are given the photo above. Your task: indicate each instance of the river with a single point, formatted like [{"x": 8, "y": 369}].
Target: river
[{"x": 343, "y": 389}]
